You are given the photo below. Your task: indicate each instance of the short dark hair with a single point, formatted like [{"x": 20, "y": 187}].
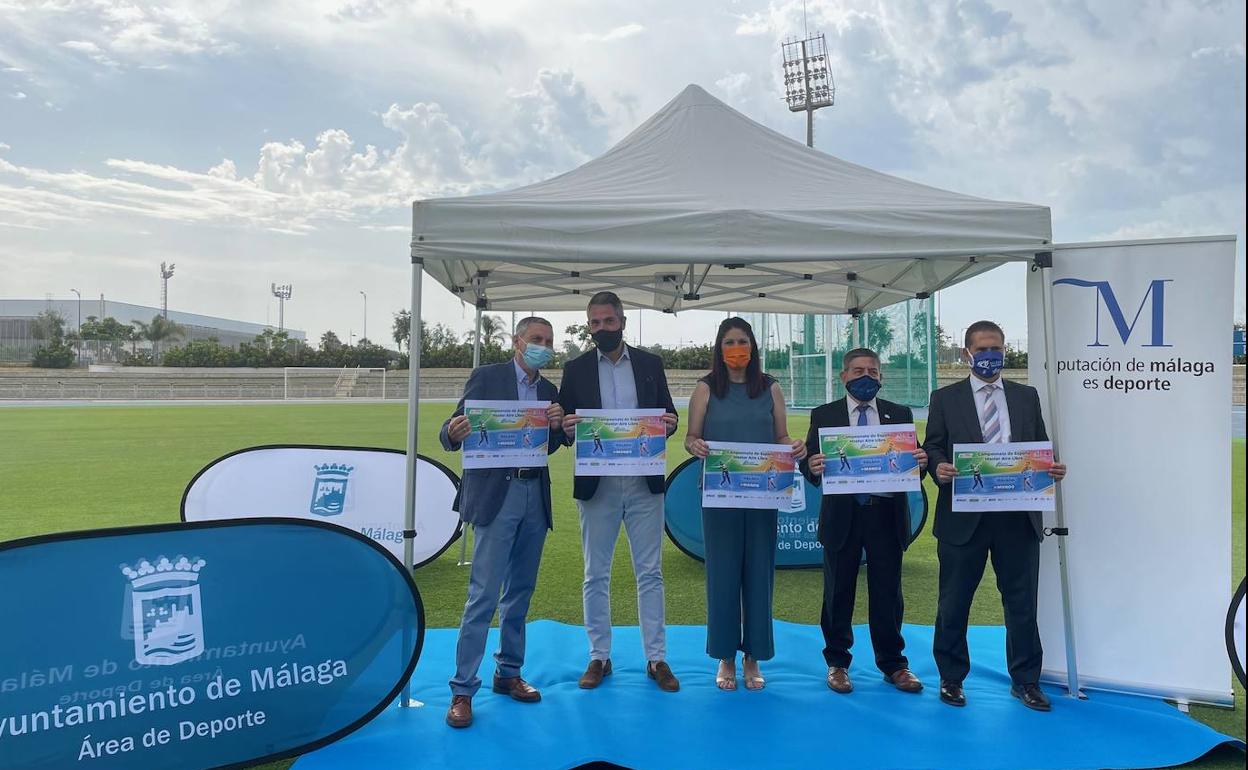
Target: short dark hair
[
  {"x": 981, "y": 326},
  {"x": 523, "y": 325},
  {"x": 607, "y": 298},
  {"x": 858, "y": 353}
]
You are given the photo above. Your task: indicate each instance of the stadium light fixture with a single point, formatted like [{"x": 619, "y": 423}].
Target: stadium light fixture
[
  {"x": 166, "y": 272},
  {"x": 808, "y": 84},
  {"x": 282, "y": 293}
]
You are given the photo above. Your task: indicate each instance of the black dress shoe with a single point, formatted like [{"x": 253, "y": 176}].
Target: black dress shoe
[
  {"x": 1032, "y": 696},
  {"x": 951, "y": 693}
]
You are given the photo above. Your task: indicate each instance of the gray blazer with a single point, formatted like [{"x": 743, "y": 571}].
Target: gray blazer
[{"x": 482, "y": 491}]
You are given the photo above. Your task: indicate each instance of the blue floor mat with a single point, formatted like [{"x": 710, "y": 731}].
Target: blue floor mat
[{"x": 796, "y": 722}]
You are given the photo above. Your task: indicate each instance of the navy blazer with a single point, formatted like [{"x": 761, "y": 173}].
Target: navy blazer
[
  {"x": 482, "y": 490},
  {"x": 579, "y": 389},
  {"x": 836, "y": 511},
  {"x": 953, "y": 419}
]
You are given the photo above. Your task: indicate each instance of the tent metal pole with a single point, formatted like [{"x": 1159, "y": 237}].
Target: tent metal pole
[
  {"x": 476, "y": 361},
  {"x": 1045, "y": 263},
  {"x": 829, "y": 388},
  {"x": 413, "y": 421},
  {"x": 476, "y": 341}
]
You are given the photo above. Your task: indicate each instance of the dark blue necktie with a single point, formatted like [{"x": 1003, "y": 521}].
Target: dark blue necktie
[{"x": 862, "y": 420}]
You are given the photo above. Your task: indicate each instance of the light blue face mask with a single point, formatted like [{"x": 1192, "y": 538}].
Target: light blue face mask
[{"x": 537, "y": 356}]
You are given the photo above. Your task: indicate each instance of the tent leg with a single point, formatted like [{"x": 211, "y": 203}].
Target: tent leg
[
  {"x": 829, "y": 380},
  {"x": 476, "y": 341},
  {"x": 1050, "y": 375},
  {"x": 476, "y": 361},
  {"x": 413, "y": 421}
]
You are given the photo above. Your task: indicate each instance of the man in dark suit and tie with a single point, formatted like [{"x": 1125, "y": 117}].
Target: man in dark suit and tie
[
  {"x": 986, "y": 409},
  {"x": 853, "y": 522},
  {"x": 616, "y": 375},
  {"x": 509, "y": 509}
]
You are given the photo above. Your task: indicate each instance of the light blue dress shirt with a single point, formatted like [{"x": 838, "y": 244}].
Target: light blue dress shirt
[
  {"x": 525, "y": 390},
  {"x": 616, "y": 382}
]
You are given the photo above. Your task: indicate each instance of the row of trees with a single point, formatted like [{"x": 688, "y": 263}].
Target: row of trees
[{"x": 440, "y": 346}]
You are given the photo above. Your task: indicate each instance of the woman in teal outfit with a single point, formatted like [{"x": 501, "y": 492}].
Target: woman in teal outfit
[{"x": 738, "y": 402}]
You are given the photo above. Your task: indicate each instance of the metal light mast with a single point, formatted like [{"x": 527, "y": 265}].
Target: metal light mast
[
  {"x": 282, "y": 293},
  {"x": 808, "y": 84},
  {"x": 166, "y": 272}
]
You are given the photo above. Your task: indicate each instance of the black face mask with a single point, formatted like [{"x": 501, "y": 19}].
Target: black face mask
[{"x": 608, "y": 341}]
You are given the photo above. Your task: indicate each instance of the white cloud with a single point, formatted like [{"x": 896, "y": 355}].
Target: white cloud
[
  {"x": 296, "y": 188},
  {"x": 18, "y": 95},
  {"x": 1127, "y": 120},
  {"x": 622, "y": 32}
]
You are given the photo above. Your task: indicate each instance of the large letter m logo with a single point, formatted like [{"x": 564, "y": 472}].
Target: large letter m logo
[{"x": 1105, "y": 297}]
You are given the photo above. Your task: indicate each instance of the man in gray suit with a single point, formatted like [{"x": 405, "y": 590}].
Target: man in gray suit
[{"x": 509, "y": 509}]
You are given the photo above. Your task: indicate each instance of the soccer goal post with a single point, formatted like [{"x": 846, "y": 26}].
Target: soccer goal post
[{"x": 300, "y": 382}]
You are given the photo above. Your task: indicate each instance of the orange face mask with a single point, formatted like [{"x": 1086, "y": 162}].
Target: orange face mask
[{"x": 737, "y": 357}]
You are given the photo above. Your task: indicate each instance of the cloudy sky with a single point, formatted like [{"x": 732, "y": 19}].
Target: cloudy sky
[{"x": 253, "y": 141}]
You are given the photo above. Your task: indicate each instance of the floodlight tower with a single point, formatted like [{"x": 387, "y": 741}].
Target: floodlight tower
[
  {"x": 166, "y": 272},
  {"x": 808, "y": 84},
  {"x": 282, "y": 293}
]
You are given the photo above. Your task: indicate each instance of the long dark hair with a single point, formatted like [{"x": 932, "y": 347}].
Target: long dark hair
[{"x": 755, "y": 380}]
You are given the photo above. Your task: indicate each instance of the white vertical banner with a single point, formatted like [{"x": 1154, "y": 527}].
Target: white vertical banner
[{"x": 1144, "y": 385}]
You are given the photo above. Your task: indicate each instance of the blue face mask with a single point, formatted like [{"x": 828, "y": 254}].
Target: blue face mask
[
  {"x": 988, "y": 363},
  {"x": 537, "y": 356},
  {"x": 863, "y": 388}
]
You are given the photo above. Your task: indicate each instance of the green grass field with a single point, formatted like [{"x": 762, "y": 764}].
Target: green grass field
[{"x": 68, "y": 468}]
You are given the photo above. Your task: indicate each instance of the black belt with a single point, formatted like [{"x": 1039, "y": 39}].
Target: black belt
[
  {"x": 527, "y": 473},
  {"x": 874, "y": 500}
]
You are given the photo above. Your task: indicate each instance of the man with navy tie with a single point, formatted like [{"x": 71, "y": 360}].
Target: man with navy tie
[
  {"x": 852, "y": 523},
  {"x": 509, "y": 510},
  {"x": 985, "y": 408}
]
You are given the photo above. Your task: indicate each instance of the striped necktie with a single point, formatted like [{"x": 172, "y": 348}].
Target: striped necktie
[{"x": 992, "y": 417}]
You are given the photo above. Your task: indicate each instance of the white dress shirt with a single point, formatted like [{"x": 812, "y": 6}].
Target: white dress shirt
[
  {"x": 873, "y": 411},
  {"x": 998, "y": 396}
]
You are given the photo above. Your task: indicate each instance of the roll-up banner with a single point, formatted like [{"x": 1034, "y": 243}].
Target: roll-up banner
[
  {"x": 797, "y": 541},
  {"x": 1144, "y": 398},
  {"x": 356, "y": 487},
  {"x": 209, "y": 645}
]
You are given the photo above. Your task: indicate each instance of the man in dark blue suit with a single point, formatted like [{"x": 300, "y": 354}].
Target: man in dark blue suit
[
  {"x": 985, "y": 408},
  {"x": 509, "y": 510},
  {"x": 850, "y": 524}
]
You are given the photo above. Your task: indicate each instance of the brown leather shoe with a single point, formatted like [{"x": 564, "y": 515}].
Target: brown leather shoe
[
  {"x": 460, "y": 712},
  {"x": 594, "y": 674},
  {"x": 905, "y": 680},
  {"x": 838, "y": 680},
  {"x": 662, "y": 674},
  {"x": 517, "y": 688}
]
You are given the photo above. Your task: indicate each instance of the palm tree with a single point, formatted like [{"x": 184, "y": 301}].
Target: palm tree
[
  {"x": 492, "y": 331},
  {"x": 159, "y": 330}
]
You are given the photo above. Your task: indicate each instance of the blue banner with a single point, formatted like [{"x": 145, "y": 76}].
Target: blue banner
[
  {"x": 215, "y": 644},
  {"x": 797, "y": 541}
]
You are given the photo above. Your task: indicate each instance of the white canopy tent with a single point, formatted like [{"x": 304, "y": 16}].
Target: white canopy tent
[{"x": 702, "y": 208}]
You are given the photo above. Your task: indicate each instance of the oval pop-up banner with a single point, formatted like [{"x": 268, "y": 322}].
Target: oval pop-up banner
[
  {"x": 1235, "y": 632},
  {"x": 797, "y": 541},
  {"x": 360, "y": 488},
  {"x": 208, "y": 645}
]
